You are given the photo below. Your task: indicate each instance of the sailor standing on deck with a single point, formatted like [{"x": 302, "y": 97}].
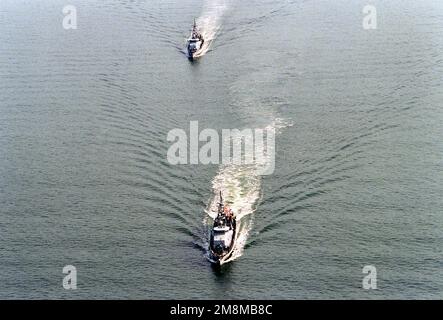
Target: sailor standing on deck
[{"x": 228, "y": 214}]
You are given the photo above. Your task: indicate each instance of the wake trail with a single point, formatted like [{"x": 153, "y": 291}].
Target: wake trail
[{"x": 209, "y": 22}]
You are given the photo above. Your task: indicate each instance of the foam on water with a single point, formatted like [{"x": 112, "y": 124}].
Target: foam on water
[{"x": 209, "y": 22}]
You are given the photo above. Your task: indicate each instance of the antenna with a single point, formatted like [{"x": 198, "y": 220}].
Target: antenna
[{"x": 220, "y": 204}]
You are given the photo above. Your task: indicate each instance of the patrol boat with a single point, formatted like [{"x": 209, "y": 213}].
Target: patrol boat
[
  {"x": 195, "y": 42},
  {"x": 223, "y": 233}
]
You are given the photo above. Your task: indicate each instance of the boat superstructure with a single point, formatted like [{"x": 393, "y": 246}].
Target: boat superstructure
[{"x": 223, "y": 234}]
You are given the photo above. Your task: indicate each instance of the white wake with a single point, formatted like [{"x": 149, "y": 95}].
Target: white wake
[{"x": 210, "y": 21}]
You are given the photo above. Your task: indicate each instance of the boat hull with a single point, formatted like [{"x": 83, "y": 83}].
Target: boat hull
[
  {"x": 193, "y": 52},
  {"x": 219, "y": 259}
]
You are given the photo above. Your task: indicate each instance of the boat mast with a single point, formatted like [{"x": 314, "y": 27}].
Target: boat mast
[{"x": 220, "y": 204}]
